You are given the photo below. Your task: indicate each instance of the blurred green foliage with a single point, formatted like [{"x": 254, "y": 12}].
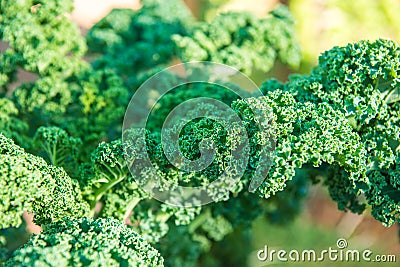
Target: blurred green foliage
[{"x": 322, "y": 24}]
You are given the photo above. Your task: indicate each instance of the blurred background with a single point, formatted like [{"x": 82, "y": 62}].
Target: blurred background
[{"x": 320, "y": 25}]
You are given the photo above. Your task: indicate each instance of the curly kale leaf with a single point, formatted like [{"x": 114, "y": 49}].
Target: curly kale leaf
[
  {"x": 30, "y": 184},
  {"x": 306, "y": 133},
  {"x": 59, "y": 148},
  {"x": 106, "y": 169},
  {"x": 12, "y": 126},
  {"x": 360, "y": 81},
  {"x": 41, "y": 39},
  {"x": 86, "y": 242},
  {"x": 243, "y": 41},
  {"x": 90, "y": 105},
  {"x": 143, "y": 35}
]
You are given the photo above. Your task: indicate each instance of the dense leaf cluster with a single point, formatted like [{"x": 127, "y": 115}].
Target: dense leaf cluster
[
  {"x": 243, "y": 41},
  {"x": 28, "y": 183},
  {"x": 162, "y": 31},
  {"x": 62, "y": 157},
  {"x": 86, "y": 242},
  {"x": 361, "y": 81},
  {"x": 28, "y": 27},
  {"x": 144, "y": 36}
]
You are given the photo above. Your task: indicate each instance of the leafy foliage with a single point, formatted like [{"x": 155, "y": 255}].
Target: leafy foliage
[
  {"x": 28, "y": 26},
  {"x": 84, "y": 242},
  {"x": 29, "y": 184},
  {"x": 143, "y": 35},
  {"x": 307, "y": 134},
  {"x": 242, "y": 41},
  {"x": 338, "y": 125},
  {"x": 10, "y": 125},
  {"x": 361, "y": 81},
  {"x": 60, "y": 148},
  {"x": 149, "y": 38}
]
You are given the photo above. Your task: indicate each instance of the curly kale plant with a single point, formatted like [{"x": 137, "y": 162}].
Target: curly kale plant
[
  {"x": 34, "y": 45},
  {"x": 58, "y": 147},
  {"x": 65, "y": 158},
  {"x": 143, "y": 35},
  {"x": 361, "y": 81},
  {"x": 86, "y": 242},
  {"x": 164, "y": 30},
  {"x": 28, "y": 183},
  {"x": 242, "y": 41}
]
